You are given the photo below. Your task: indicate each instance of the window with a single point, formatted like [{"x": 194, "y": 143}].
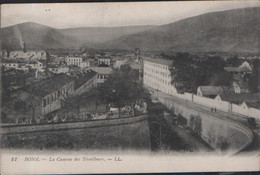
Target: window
[{"x": 44, "y": 102}]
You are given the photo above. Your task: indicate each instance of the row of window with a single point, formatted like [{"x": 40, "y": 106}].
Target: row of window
[
  {"x": 151, "y": 69},
  {"x": 161, "y": 73},
  {"x": 162, "y": 81},
  {"x": 156, "y": 65},
  {"x": 157, "y": 86},
  {"x": 147, "y": 75},
  {"x": 107, "y": 60},
  {"x": 102, "y": 77},
  {"x": 17, "y": 64},
  {"x": 75, "y": 59},
  {"x": 9, "y": 65},
  {"x": 74, "y": 63}
]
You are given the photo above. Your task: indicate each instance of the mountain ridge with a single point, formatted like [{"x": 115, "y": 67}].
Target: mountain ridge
[
  {"x": 236, "y": 30},
  {"x": 226, "y": 31}
]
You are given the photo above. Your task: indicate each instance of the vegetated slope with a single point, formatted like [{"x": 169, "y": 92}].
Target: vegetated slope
[
  {"x": 35, "y": 36},
  {"x": 40, "y": 36},
  {"x": 226, "y": 31},
  {"x": 90, "y": 35}
]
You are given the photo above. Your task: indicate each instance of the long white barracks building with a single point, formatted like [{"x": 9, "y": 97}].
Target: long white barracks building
[{"x": 157, "y": 75}]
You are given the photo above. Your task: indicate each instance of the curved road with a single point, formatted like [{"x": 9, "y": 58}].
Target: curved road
[{"x": 253, "y": 148}]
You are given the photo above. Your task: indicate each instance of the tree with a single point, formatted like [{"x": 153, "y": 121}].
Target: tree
[
  {"x": 33, "y": 102},
  {"x": 67, "y": 103},
  {"x": 254, "y": 77},
  {"x": 221, "y": 78},
  {"x": 189, "y": 72},
  {"x": 233, "y": 61},
  {"x": 185, "y": 73},
  {"x": 123, "y": 88}
]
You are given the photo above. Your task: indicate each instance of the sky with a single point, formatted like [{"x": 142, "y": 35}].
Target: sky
[{"x": 70, "y": 15}]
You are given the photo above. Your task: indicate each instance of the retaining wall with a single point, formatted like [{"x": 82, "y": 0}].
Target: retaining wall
[
  {"x": 224, "y": 136},
  {"x": 125, "y": 133}
]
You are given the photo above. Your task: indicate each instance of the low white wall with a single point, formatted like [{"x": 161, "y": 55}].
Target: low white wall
[{"x": 220, "y": 105}]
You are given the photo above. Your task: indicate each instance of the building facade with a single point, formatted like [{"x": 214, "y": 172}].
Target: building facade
[
  {"x": 73, "y": 61},
  {"x": 157, "y": 75},
  {"x": 58, "y": 70},
  {"x": 104, "y": 62},
  {"x": 119, "y": 63},
  {"x": 28, "y": 55},
  {"x": 22, "y": 65},
  {"x": 84, "y": 64},
  {"x": 103, "y": 73},
  {"x": 39, "y": 99}
]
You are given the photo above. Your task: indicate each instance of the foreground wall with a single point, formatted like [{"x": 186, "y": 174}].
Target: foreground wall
[
  {"x": 222, "y": 135},
  {"x": 124, "y": 133},
  {"x": 220, "y": 105}
]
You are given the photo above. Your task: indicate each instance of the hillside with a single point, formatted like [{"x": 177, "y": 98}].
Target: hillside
[
  {"x": 88, "y": 35},
  {"x": 39, "y": 36},
  {"x": 226, "y": 31},
  {"x": 35, "y": 36}
]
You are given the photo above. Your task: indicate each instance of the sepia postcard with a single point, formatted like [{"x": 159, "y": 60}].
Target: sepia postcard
[{"x": 130, "y": 87}]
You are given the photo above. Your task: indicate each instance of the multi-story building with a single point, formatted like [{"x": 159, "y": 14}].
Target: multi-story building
[
  {"x": 22, "y": 65},
  {"x": 103, "y": 73},
  {"x": 58, "y": 70},
  {"x": 41, "y": 98},
  {"x": 28, "y": 55},
  {"x": 73, "y": 61},
  {"x": 10, "y": 64},
  {"x": 84, "y": 64},
  {"x": 76, "y": 61},
  {"x": 157, "y": 75},
  {"x": 35, "y": 65},
  {"x": 104, "y": 61},
  {"x": 119, "y": 63}
]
